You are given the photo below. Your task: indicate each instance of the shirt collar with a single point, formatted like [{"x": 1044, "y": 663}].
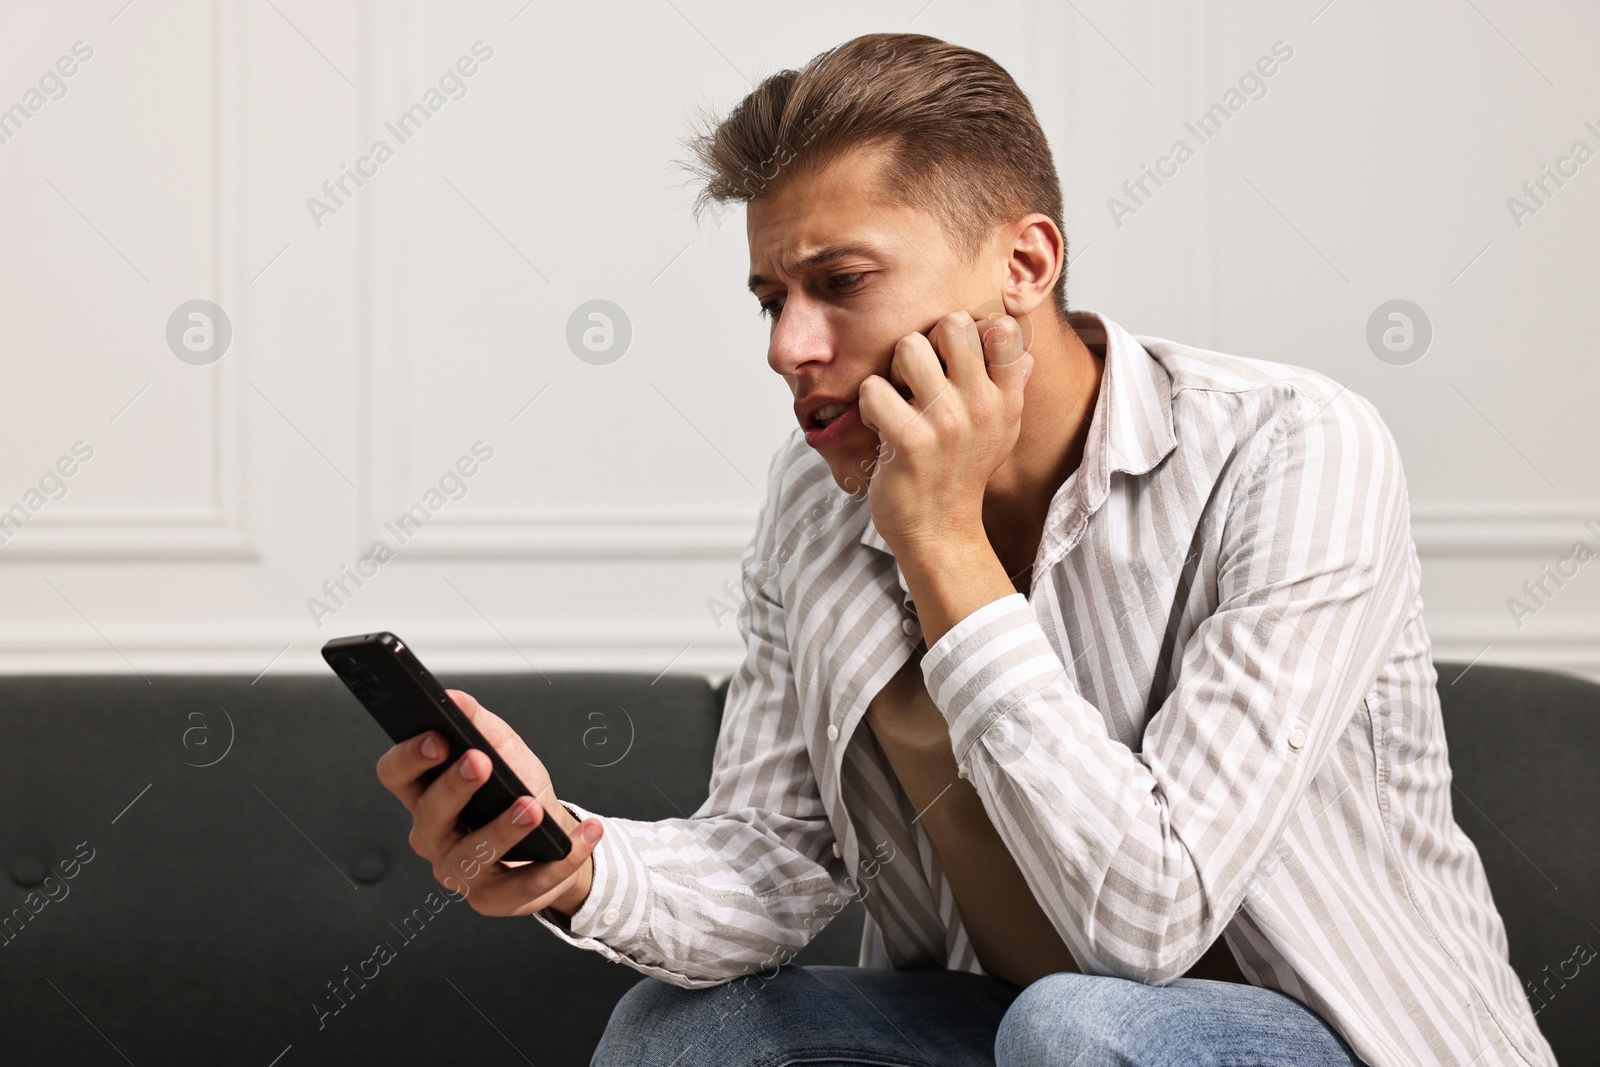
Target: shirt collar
[{"x": 1131, "y": 429}]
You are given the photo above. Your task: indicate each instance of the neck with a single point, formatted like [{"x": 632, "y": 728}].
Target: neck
[{"x": 1058, "y": 406}]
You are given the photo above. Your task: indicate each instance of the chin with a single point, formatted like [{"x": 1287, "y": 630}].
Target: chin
[{"x": 852, "y": 467}]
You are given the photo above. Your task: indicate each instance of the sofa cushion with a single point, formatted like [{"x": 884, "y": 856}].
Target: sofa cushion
[
  {"x": 211, "y": 907},
  {"x": 199, "y": 860},
  {"x": 1525, "y": 758}
]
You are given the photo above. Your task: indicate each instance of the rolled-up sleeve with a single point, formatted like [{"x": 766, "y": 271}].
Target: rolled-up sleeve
[
  {"x": 1141, "y": 858},
  {"x": 614, "y": 910}
]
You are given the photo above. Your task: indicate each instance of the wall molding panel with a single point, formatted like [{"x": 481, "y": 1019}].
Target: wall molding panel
[
  {"x": 215, "y": 530},
  {"x": 351, "y": 333}
]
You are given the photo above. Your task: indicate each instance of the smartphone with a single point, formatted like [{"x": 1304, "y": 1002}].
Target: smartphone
[{"x": 394, "y": 686}]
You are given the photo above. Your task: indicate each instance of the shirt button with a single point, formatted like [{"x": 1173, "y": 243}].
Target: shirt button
[
  {"x": 609, "y": 916},
  {"x": 833, "y": 732},
  {"x": 1297, "y": 737},
  {"x": 838, "y": 853},
  {"x": 909, "y": 627}
]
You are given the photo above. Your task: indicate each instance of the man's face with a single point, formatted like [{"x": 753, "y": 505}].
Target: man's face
[{"x": 843, "y": 275}]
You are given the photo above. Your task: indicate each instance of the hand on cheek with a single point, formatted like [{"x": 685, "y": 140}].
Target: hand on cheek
[{"x": 949, "y": 413}]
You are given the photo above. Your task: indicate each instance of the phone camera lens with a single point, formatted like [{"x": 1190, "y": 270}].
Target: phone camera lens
[{"x": 362, "y": 682}]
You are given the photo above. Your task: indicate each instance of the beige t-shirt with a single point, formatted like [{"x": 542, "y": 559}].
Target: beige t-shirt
[{"x": 1010, "y": 933}]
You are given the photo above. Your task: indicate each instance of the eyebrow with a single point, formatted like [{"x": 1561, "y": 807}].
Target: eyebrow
[{"x": 821, "y": 257}]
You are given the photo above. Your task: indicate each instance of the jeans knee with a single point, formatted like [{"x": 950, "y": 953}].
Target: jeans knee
[
  {"x": 712, "y": 1025},
  {"x": 636, "y": 1017},
  {"x": 1055, "y": 1020}
]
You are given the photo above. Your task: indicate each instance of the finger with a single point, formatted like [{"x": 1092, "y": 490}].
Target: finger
[
  {"x": 487, "y": 846},
  {"x": 400, "y": 769},
  {"x": 956, "y": 337},
  {"x": 917, "y": 364},
  {"x": 494, "y": 729},
  {"x": 896, "y": 373},
  {"x": 1002, "y": 341},
  {"x": 434, "y": 821},
  {"x": 522, "y": 890},
  {"x": 482, "y": 849},
  {"x": 504, "y": 740},
  {"x": 466, "y": 702},
  {"x": 883, "y": 410},
  {"x": 1008, "y": 362}
]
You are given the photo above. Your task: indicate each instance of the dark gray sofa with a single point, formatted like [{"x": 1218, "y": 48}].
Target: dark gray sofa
[{"x": 218, "y": 853}]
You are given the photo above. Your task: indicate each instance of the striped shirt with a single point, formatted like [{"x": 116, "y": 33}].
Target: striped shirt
[{"x": 1213, "y": 715}]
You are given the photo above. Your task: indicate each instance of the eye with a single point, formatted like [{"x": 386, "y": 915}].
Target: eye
[{"x": 838, "y": 283}]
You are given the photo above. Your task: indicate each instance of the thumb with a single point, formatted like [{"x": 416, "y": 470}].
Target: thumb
[{"x": 466, "y": 702}]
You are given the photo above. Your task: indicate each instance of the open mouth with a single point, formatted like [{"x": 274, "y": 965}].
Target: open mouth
[{"x": 824, "y": 415}]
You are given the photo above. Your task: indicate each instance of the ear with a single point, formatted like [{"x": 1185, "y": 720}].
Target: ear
[{"x": 1037, "y": 254}]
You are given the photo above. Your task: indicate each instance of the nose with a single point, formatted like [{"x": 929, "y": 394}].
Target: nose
[{"x": 800, "y": 336}]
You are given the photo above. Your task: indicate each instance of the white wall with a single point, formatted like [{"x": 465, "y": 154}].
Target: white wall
[{"x": 373, "y": 346}]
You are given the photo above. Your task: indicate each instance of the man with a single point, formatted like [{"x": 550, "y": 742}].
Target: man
[{"x": 1094, "y": 664}]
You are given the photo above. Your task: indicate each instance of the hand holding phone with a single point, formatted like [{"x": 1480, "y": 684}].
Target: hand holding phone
[{"x": 466, "y": 824}]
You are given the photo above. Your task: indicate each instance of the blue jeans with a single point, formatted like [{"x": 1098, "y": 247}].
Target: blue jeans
[{"x": 848, "y": 1015}]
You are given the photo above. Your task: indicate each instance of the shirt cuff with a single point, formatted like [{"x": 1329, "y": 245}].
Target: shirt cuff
[
  {"x": 614, "y": 913},
  {"x": 984, "y": 665}
]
